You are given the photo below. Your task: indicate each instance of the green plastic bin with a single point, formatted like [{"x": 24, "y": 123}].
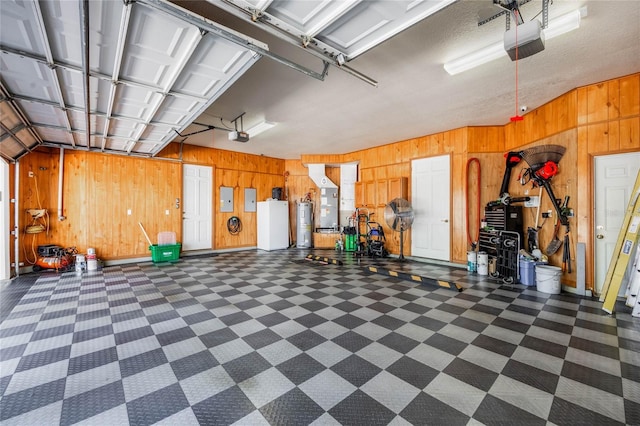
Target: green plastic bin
[
  {"x": 165, "y": 253},
  {"x": 350, "y": 242}
]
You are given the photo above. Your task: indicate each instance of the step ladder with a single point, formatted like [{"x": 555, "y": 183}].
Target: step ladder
[
  {"x": 633, "y": 301},
  {"x": 624, "y": 252}
]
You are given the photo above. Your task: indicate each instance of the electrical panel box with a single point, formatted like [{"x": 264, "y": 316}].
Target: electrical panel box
[
  {"x": 329, "y": 208},
  {"x": 226, "y": 199},
  {"x": 250, "y": 199}
]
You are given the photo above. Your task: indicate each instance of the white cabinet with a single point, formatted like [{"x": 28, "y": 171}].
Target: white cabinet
[{"x": 273, "y": 225}]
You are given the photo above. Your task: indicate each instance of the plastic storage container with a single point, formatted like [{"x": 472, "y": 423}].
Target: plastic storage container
[
  {"x": 528, "y": 271},
  {"x": 548, "y": 279},
  {"x": 165, "y": 253},
  {"x": 166, "y": 238}
]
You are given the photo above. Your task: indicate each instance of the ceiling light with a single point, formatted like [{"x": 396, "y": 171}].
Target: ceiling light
[
  {"x": 556, "y": 27},
  {"x": 259, "y": 128}
]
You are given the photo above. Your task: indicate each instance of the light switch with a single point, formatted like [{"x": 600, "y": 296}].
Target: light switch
[{"x": 128, "y": 212}]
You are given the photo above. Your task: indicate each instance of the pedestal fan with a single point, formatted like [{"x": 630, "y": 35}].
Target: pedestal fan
[{"x": 399, "y": 217}]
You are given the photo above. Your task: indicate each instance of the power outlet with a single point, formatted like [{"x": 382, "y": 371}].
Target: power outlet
[
  {"x": 30, "y": 173},
  {"x": 547, "y": 214}
]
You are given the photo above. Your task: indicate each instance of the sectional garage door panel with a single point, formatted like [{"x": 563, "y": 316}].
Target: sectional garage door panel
[{"x": 151, "y": 71}]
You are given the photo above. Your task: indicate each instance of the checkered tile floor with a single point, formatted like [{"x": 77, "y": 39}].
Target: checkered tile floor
[{"x": 268, "y": 338}]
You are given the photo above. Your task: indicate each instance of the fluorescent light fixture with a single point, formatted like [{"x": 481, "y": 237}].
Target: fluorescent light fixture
[
  {"x": 259, "y": 128},
  {"x": 558, "y": 26}
]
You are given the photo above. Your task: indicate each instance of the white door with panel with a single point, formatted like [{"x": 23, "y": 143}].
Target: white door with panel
[
  {"x": 5, "y": 237},
  {"x": 431, "y": 197},
  {"x": 197, "y": 217},
  {"x": 615, "y": 176}
]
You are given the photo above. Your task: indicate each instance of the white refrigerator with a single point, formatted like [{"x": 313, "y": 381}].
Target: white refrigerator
[{"x": 273, "y": 225}]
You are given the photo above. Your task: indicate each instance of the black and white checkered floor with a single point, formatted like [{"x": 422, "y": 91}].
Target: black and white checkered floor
[{"x": 260, "y": 337}]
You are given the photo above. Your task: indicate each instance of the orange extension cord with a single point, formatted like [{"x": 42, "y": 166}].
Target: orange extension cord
[{"x": 473, "y": 242}]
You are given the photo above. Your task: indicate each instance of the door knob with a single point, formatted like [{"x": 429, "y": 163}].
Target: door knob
[
  {"x": 445, "y": 220},
  {"x": 599, "y": 236}
]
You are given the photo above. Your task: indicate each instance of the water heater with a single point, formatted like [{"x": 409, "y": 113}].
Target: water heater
[{"x": 304, "y": 224}]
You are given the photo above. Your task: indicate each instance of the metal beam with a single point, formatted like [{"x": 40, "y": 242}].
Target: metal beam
[
  {"x": 84, "y": 15},
  {"x": 233, "y": 37},
  {"x": 311, "y": 45}
]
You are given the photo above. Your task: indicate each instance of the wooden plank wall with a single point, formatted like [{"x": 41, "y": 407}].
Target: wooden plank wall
[
  {"x": 602, "y": 118},
  {"x": 99, "y": 189},
  {"x": 238, "y": 171}
]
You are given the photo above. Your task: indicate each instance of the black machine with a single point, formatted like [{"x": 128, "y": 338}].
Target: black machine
[
  {"x": 375, "y": 240},
  {"x": 505, "y": 219},
  {"x": 543, "y": 166}
]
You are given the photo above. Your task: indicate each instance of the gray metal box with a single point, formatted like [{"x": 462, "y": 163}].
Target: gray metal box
[
  {"x": 250, "y": 199},
  {"x": 226, "y": 199}
]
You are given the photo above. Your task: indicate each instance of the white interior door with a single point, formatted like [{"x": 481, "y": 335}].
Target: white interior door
[
  {"x": 4, "y": 221},
  {"x": 197, "y": 203},
  {"x": 615, "y": 176},
  {"x": 430, "y": 197}
]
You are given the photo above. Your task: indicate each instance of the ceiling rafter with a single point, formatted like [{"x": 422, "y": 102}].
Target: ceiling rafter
[
  {"x": 44, "y": 39},
  {"x": 136, "y": 90},
  {"x": 122, "y": 36}
]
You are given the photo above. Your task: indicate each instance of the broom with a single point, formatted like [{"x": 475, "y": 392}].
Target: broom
[{"x": 145, "y": 233}]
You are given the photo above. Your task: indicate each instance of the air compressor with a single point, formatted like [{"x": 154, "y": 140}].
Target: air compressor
[{"x": 54, "y": 257}]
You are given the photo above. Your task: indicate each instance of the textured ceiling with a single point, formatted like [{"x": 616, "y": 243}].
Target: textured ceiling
[
  {"x": 170, "y": 71},
  {"x": 415, "y": 95}
]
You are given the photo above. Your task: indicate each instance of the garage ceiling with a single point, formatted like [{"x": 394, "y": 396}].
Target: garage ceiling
[
  {"x": 152, "y": 68},
  {"x": 145, "y": 74}
]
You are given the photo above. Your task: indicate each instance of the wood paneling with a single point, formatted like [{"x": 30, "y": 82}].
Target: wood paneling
[
  {"x": 99, "y": 190},
  {"x": 629, "y": 95},
  {"x": 598, "y": 119},
  {"x": 486, "y": 139}
]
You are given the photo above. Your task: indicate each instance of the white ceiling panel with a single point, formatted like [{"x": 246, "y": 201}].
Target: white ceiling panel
[
  {"x": 176, "y": 110},
  {"x": 51, "y": 135},
  {"x": 146, "y": 148},
  {"x": 157, "y": 47},
  {"x": 310, "y": 17},
  {"x": 137, "y": 53},
  {"x": 212, "y": 61},
  {"x": 104, "y": 28},
  {"x": 72, "y": 87},
  {"x": 348, "y": 28},
  {"x": 11, "y": 148},
  {"x": 26, "y": 77},
  {"x": 8, "y": 116},
  {"x": 63, "y": 32},
  {"x": 19, "y": 27},
  {"x": 77, "y": 119},
  {"x": 116, "y": 144},
  {"x": 124, "y": 128},
  {"x": 155, "y": 133},
  {"x": 27, "y": 138},
  {"x": 135, "y": 101},
  {"x": 100, "y": 91},
  {"x": 39, "y": 113}
]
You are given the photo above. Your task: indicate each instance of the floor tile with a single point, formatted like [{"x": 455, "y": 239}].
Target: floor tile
[{"x": 270, "y": 338}]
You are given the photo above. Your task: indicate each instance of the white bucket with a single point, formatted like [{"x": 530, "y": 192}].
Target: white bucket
[
  {"x": 92, "y": 264},
  {"x": 483, "y": 263},
  {"x": 471, "y": 261},
  {"x": 81, "y": 263},
  {"x": 548, "y": 279}
]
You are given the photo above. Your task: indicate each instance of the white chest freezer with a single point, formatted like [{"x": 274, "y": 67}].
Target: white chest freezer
[{"x": 273, "y": 225}]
